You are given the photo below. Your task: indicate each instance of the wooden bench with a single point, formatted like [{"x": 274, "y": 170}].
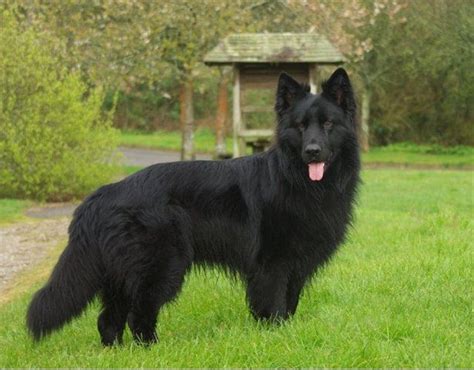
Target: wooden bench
[{"x": 258, "y": 140}]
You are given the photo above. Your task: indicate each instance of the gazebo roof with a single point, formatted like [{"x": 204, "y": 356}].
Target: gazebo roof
[{"x": 274, "y": 48}]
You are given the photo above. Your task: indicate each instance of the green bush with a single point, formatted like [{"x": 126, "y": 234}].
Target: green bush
[{"x": 55, "y": 141}]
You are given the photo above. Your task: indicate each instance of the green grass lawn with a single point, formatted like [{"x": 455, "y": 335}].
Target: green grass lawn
[
  {"x": 407, "y": 154},
  {"x": 398, "y": 154},
  {"x": 12, "y": 209},
  {"x": 204, "y": 140},
  {"x": 398, "y": 294}
]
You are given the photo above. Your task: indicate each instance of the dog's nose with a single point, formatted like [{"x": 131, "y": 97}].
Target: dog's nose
[{"x": 313, "y": 150}]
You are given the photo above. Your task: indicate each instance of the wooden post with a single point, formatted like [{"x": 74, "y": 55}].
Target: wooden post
[
  {"x": 236, "y": 114},
  {"x": 222, "y": 110},
  {"x": 365, "y": 119},
  {"x": 313, "y": 78},
  {"x": 187, "y": 114}
]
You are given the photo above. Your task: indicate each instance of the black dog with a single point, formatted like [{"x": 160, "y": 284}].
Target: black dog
[{"x": 272, "y": 218}]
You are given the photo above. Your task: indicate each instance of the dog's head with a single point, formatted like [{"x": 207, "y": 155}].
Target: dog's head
[{"x": 316, "y": 126}]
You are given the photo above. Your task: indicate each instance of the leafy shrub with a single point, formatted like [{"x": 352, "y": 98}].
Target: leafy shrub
[{"x": 55, "y": 141}]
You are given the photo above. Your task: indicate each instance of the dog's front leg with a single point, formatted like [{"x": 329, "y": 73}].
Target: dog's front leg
[
  {"x": 266, "y": 293},
  {"x": 296, "y": 283}
]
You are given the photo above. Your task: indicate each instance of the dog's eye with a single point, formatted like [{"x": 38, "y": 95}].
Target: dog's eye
[{"x": 327, "y": 125}]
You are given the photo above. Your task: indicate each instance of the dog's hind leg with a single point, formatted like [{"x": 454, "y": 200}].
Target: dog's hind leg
[
  {"x": 143, "y": 315},
  {"x": 153, "y": 292},
  {"x": 113, "y": 317},
  {"x": 160, "y": 275},
  {"x": 266, "y": 293}
]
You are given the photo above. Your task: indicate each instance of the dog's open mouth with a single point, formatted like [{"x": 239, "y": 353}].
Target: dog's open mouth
[{"x": 316, "y": 170}]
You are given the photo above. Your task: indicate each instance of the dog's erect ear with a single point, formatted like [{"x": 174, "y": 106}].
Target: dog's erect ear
[
  {"x": 288, "y": 91},
  {"x": 338, "y": 89}
]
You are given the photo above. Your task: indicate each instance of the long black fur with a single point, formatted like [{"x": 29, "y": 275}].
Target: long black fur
[{"x": 261, "y": 216}]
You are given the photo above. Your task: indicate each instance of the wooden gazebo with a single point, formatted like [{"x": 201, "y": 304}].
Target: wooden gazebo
[{"x": 257, "y": 60}]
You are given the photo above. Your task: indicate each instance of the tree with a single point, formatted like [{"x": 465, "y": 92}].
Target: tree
[
  {"x": 413, "y": 64},
  {"x": 429, "y": 97},
  {"x": 123, "y": 43},
  {"x": 362, "y": 30},
  {"x": 194, "y": 29}
]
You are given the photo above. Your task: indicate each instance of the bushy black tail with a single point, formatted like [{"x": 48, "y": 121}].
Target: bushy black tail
[{"x": 75, "y": 281}]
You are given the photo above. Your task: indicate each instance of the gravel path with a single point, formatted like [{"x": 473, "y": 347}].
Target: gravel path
[
  {"x": 24, "y": 244},
  {"x": 147, "y": 157}
]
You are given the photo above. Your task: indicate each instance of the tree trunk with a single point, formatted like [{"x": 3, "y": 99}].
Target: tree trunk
[
  {"x": 222, "y": 113},
  {"x": 187, "y": 119},
  {"x": 182, "y": 111},
  {"x": 365, "y": 119}
]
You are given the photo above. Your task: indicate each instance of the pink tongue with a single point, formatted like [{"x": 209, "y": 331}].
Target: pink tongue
[{"x": 316, "y": 171}]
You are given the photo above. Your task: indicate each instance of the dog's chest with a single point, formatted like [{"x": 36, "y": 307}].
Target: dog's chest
[{"x": 314, "y": 218}]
